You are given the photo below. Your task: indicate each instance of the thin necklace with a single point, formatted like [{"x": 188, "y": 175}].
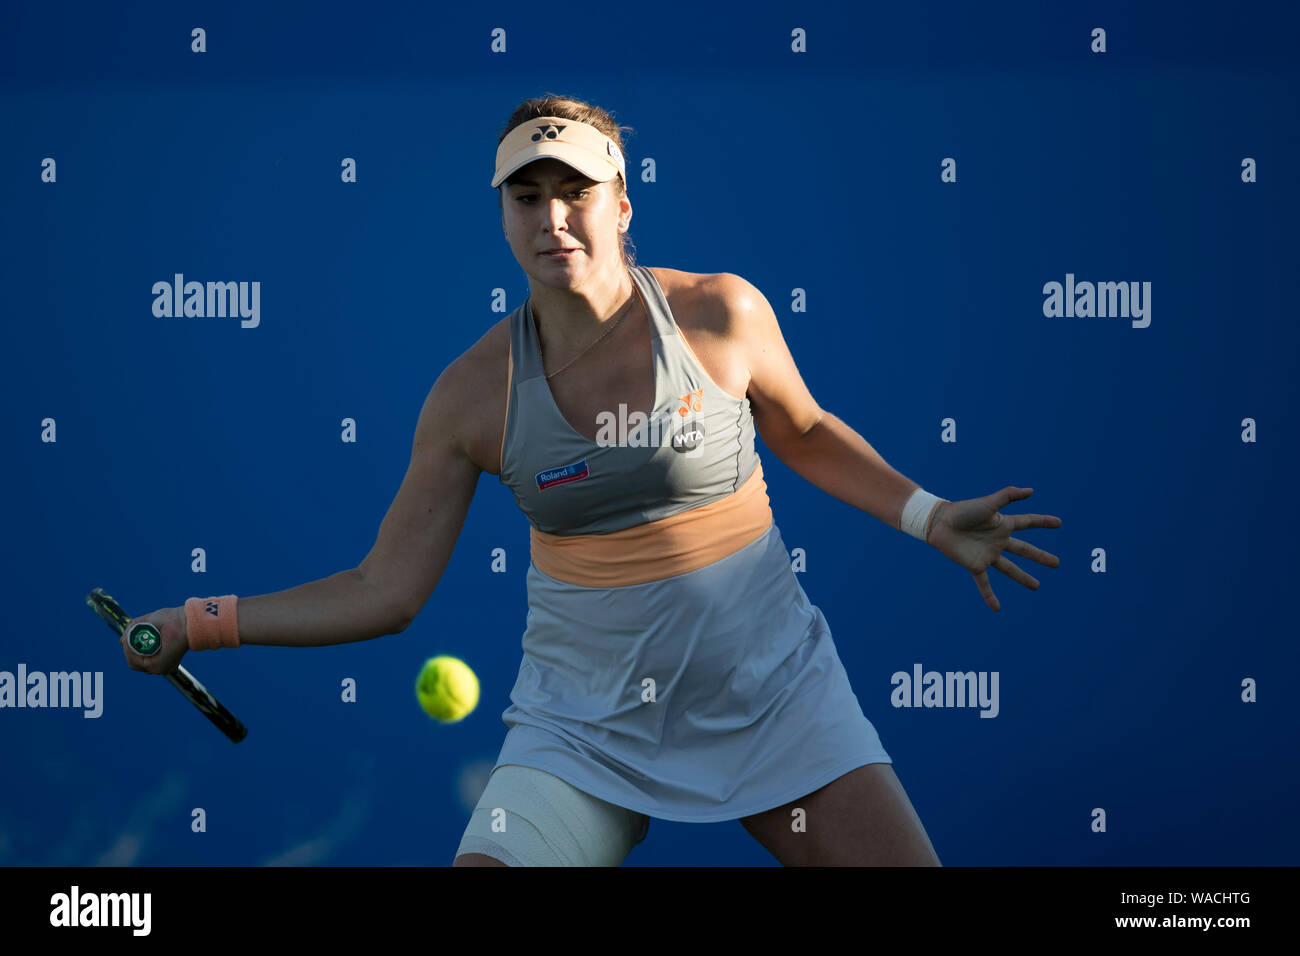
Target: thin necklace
[{"x": 589, "y": 347}]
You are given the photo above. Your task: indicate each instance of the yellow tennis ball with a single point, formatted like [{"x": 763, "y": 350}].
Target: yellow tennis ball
[{"x": 446, "y": 688}]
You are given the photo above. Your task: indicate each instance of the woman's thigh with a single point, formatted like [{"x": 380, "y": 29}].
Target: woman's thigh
[
  {"x": 528, "y": 817},
  {"x": 863, "y": 818}
]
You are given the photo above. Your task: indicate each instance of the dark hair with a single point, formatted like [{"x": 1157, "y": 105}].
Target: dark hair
[{"x": 574, "y": 109}]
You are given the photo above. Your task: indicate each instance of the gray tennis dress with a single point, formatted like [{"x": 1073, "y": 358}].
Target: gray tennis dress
[{"x": 752, "y": 707}]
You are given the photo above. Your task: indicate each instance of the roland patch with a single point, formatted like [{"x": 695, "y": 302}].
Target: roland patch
[{"x": 562, "y": 475}]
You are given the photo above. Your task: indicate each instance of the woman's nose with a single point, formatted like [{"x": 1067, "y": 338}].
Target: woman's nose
[{"x": 556, "y": 210}]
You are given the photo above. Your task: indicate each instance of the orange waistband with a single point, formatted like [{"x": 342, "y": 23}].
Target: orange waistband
[{"x": 657, "y": 549}]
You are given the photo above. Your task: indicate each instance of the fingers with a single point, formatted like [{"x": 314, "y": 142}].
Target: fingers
[
  {"x": 1021, "y": 548},
  {"x": 1015, "y": 574},
  {"x": 1020, "y": 522},
  {"x": 1026, "y": 550},
  {"x": 986, "y": 591},
  {"x": 1011, "y": 493},
  {"x": 134, "y": 660}
]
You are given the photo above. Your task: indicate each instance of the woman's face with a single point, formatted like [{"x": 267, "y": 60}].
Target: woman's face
[{"x": 549, "y": 204}]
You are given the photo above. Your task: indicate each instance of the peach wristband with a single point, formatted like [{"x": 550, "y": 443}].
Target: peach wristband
[{"x": 212, "y": 622}]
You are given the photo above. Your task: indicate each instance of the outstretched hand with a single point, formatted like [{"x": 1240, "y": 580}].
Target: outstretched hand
[{"x": 974, "y": 533}]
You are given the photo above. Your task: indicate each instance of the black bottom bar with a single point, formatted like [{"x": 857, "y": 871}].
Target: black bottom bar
[{"x": 672, "y": 905}]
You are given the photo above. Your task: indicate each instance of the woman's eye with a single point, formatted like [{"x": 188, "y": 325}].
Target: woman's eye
[{"x": 580, "y": 193}]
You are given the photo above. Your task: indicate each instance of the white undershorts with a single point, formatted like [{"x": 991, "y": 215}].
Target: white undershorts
[{"x": 547, "y": 822}]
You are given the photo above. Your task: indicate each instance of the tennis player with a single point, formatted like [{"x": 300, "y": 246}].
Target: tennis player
[{"x": 673, "y": 666}]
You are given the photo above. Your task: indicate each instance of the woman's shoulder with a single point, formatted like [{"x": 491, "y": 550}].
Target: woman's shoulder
[
  {"x": 481, "y": 359},
  {"x": 677, "y": 282},
  {"x": 708, "y": 302},
  {"x": 717, "y": 287},
  {"x": 474, "y": 386},
  {"x": 697, "y": 299},
  {"x": 704, "y": 307}
]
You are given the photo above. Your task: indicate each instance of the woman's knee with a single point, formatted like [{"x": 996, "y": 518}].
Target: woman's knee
[
  {"x": 477, "y": 859},
  {"x": 528, "y": 817}
]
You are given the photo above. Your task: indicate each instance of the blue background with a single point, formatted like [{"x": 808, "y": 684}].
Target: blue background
[{"x": 818, "y": 171}]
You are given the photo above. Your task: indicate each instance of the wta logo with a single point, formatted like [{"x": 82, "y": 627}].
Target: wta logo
[
  {"x": 689, "y": 439},
  {"x": 562, "y": 475}
]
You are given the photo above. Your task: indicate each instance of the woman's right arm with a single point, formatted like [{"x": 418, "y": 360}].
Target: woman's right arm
[
  {"x": 386, "y": 591},
  {"x": 419, "y": 532}
]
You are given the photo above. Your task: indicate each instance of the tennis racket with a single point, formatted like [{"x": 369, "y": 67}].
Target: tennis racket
[{"x": 198, "y": 695}]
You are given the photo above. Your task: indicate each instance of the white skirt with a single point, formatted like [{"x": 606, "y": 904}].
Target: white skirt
[{"x": 707, "y": 696}]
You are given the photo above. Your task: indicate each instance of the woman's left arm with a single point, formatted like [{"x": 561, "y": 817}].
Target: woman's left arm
[{"x": 825, "y": 451}]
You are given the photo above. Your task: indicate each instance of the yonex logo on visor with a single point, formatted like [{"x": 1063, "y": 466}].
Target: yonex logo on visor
[{"x": 580, "y": 145}]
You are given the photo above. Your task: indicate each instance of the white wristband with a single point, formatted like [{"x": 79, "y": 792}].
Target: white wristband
[{"x": 916, "y": 513}]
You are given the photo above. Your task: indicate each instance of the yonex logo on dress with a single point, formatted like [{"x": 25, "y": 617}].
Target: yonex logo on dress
[
  {"x": 211, "y": 607},
  {"x": 548, "y": 131}
]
